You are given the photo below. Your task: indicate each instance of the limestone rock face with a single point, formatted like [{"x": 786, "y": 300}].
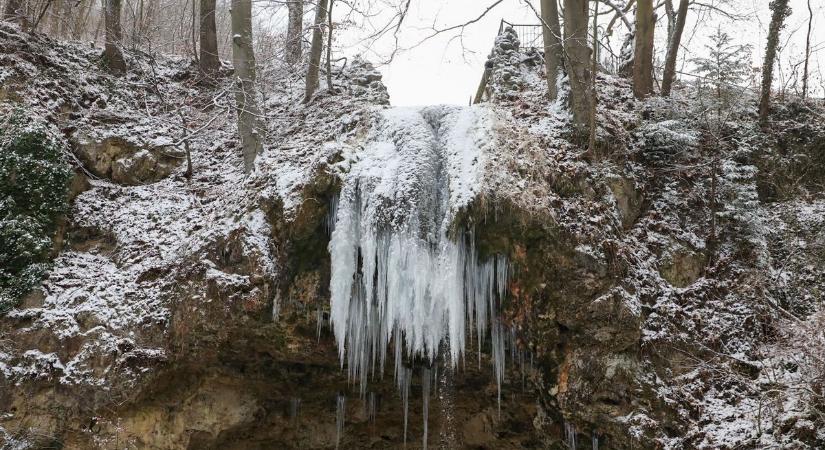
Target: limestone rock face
[
  {"x": 683, "y": 266},
  {"x": 506, "y": 77},
  {"x": 365, "y": 81},
  {"x": 123, "y": 162}
]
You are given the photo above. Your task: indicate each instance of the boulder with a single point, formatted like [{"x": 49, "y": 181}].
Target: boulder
[{"x": 121, "y": 161}]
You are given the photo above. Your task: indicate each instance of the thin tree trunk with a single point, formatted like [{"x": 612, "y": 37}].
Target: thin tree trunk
[
  {"x": 294, "y": 31},
  {"x": 41, "y": 15},
  {"x": 54, "y": 18},
  {"x": 209, "y": 62},
  {"x": 137, "y": 26},
  {"x": 315, "y": 50},
  {"x": 673, "y": 48},
  {"x": 551, "y": 32},
  {"x": 591, "y": 143},
  {"x": 82, "y": 20},
  {"x": 250, "y": 125},
  {"x": 671, "y": 19},
  {"x": 100, "y": 20},
  {"x": 194, "y": 38},
  {"x": 111, "y": 53},
  {"x": 330, "y": 87},
  {"x": 643, "y": 53},
  {"x": 780, "y": 12},
  {"x": 577, "y": 61},
  {"x": 807, "y": 51}
]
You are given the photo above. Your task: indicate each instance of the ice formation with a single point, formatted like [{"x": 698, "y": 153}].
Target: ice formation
[
  {"x": 402, "y": 274},
  {"x": 570, "y": 435},
  {"x": 425, "y": 403},
  {"x": 397, "y": 275},
  {"x": 340, "y": 418}
]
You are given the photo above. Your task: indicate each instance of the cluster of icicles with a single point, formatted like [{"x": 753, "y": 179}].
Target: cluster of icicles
[{"x": 410, "y": 296}]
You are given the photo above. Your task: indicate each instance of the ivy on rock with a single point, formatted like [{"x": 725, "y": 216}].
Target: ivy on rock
[{"x": 34, "y": 185}]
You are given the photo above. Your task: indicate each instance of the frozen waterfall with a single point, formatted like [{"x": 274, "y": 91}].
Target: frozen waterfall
[{"x": 401, "y": 276}]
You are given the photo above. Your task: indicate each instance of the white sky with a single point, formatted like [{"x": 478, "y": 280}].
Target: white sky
[{"x": 446, "y": 69}]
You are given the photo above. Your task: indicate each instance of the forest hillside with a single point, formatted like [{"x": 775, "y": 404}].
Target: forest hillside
[{"x": 232, "y": 262}]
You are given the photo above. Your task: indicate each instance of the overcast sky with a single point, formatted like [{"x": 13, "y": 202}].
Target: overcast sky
[{"x": 447, "y": 68}]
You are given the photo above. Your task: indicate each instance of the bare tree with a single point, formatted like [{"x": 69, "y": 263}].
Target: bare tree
[
  {"x": 250, "y": 125},
  {"x": 209, "y": 62},
  {"x": 315, "y": 50},
  {"x": 594, "y": 67},
  {"x": 112, "y": 54},
  {"x": 805, "y": 72},
  {"x": 577, "y": 62},
  {"x": 329, "y": 46},
  {"x": 674, "y": 42},
  {"x": 780, "y": 11},
  {"x": 553, "y": 54},
  {"x": 294, "y": 31},
  {"x": 670, "y": 13},
  {"x": 643, "y": 53}
]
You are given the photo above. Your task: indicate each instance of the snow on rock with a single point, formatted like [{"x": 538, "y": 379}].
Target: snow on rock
[
  {"x": 644, "y": 324},
  {"x": 111, "y": 291}
]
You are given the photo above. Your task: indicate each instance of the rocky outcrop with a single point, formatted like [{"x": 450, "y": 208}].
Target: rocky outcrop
[
  {"x": 364, "y": 82},
  {"x": 116, "y": 159}
]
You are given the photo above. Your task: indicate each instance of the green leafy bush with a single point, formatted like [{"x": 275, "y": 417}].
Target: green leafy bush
[{"x": 34, "y": 180}]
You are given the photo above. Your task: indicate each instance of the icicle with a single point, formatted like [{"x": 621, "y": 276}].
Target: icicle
[
  {"x": 400, "y": 271},
  {"x": 425, "y": 402},
  {"x": 319, "y": 322},
  {"x": 275, "y": 303},
  {"x": 340, "y": 416},
  {"x": 404, "y": 380},
  {"x": 396, "y": 287},
  {"x": 332, "y": 213},
  {"x": 570, "y": 435},
  {"x": 370, "y": 407},
  {"x": 294, "y": 409}
]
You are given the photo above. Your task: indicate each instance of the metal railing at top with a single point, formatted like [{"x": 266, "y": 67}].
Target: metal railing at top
[{"x": 529, "y": 35}]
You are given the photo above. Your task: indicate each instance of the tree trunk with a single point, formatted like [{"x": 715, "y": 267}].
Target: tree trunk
[
  {"x": 330, "y": 88},
  {"x": 54, "y": 18},
  {"x": 209, "y": 61},
  {"x": 591, "y": 142},
  {"x": 250, "y": 125},
  {"x": 671, "y": 18},
  {"x": 82, "y": 20},
  {"x": 111, "y": 53},
  {"x": 780, "y": 12},
  {"x": 12, "y": 12},
  {"x": 294, "y": 31},
  {"x": 673, "y": 48},
  {"x": 315, "y": 50},
  {"x": 807, "y": 51},
  {"x": 643, "y": 50},
  {"x": 193, "y": 32},
  {"x": 577, "y": 62},
  {"x": 551, "y": 31}
]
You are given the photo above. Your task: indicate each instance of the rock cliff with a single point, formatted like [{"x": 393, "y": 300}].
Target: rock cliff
[{"x": 663, "y": 292}]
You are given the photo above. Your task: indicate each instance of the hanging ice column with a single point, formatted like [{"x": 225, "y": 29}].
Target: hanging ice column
[{"x": 397, "y": 277}]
